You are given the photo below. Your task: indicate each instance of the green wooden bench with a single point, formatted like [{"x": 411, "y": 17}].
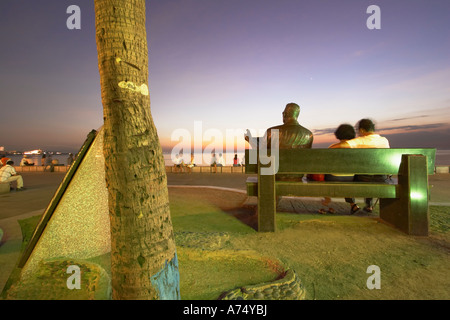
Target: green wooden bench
[{"x": 404, "y": 205}]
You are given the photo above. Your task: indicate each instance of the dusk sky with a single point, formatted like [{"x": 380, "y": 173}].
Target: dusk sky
[{"x": 233, "y": 65}]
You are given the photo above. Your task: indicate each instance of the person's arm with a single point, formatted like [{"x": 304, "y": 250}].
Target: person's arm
[
  {"x": 252, "y": 141},
  {"x": 344, "y": 145},
  {"x": 339, "y": 145},
  {"x": 248, "y": 136},
  {"x": 12, "y": 171}
]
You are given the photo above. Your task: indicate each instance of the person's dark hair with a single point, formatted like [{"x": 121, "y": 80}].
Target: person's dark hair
[
  {"x": 10, "y": 162},
  {"x": 367, "y": 125},
  {"x": 345, "y": 132}
]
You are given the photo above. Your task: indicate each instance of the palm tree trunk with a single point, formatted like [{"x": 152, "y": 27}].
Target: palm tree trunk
[{"x": 143, "y": 255}]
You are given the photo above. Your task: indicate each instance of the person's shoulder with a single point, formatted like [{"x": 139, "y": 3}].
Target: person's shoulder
[
  {"x": 381, "y": 142},
  {"x": 386, "y": 142},
  {"x": 338, "y": 145},
  {"x": 303, "y": 129},
  {"x": 334, "y": 146},
  {"x": 296, "y": 127},
  {"x": 276, "y": 127},
  {"x": 341, "y": 145},
  {"x": 354, "y": 142}
]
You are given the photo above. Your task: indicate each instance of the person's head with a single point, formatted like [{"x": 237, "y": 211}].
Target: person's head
[
  {"x": 345, "y": 132},
  {"x": 10, "y": 162},
  {"x": 291, "y": 112},
  {"x": 4, "y": 161},
  {"x": 365, "y": 127}
]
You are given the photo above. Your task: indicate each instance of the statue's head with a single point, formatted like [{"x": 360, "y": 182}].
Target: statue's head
[{"x": 291, "y": 112}]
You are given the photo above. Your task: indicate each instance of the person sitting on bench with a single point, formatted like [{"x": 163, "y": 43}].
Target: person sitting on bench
[
  {"x": 9, "y": 174},
  {"x": 178, "y": 163},
  {"x": 191, "y": 164},
  {"x": 343, "y": 133},
  {"x": 291, "y": 135},
  {"x": 368, "y": 139},
  {"x": 26, "y": 161},
  {"x": 3, "y": 161}
]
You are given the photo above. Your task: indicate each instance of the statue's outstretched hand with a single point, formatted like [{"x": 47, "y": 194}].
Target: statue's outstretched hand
[{"x": 248, "y": 135}]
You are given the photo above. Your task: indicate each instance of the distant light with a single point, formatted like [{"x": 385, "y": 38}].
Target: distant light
[{"x": 39, "y": 151}]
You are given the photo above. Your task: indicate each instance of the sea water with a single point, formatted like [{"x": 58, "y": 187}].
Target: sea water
[{"x": 442, "y": 158}]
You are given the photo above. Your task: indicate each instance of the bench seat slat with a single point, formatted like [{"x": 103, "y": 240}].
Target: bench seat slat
[
  {"x": 331, "y": 188},
  {"x": 350, "y": 190}
]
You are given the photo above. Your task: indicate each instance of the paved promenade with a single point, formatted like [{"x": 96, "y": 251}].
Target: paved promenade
[{"x": 41, "y": 187}]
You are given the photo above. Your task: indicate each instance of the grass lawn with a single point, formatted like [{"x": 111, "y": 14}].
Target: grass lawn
[
  {"x": 218, "y": 250},
  {"x": 330, "y": 253}
]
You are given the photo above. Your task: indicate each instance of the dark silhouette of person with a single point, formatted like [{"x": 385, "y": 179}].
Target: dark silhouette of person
[
  {"x": 291, "y": 134},
  {"x": 368, "y": 139},
  {"x": 343, "y": 133}
]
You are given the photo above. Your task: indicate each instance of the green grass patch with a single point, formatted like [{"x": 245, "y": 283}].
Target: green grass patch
[
  {"x": 205, "y": 275},
  {"x": 27, "y": 227},
  {"x": 330, "y": 253},
  {"x": 197, "y": 215},
  {"x": 440, "y": 219}
]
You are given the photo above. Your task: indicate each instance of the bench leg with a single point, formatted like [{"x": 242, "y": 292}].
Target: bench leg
[
  {"x": 409, "y": 212},
  {"x": 266, "y": 204}
]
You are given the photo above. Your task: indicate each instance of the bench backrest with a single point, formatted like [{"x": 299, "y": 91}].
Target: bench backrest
[{"x": 343, "y": 161}]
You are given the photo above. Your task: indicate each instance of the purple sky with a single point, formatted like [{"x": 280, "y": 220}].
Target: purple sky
[{"x": 234, "y": 64}]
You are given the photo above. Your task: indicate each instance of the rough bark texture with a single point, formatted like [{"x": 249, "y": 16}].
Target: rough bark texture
[{"x": 142, "y": 241}]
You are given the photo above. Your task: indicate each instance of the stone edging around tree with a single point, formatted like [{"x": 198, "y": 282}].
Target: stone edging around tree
[{"x": 289, "y": 287}]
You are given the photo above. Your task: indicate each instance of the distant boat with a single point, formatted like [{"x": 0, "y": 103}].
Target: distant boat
[{"x": 33, "y": 152}]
